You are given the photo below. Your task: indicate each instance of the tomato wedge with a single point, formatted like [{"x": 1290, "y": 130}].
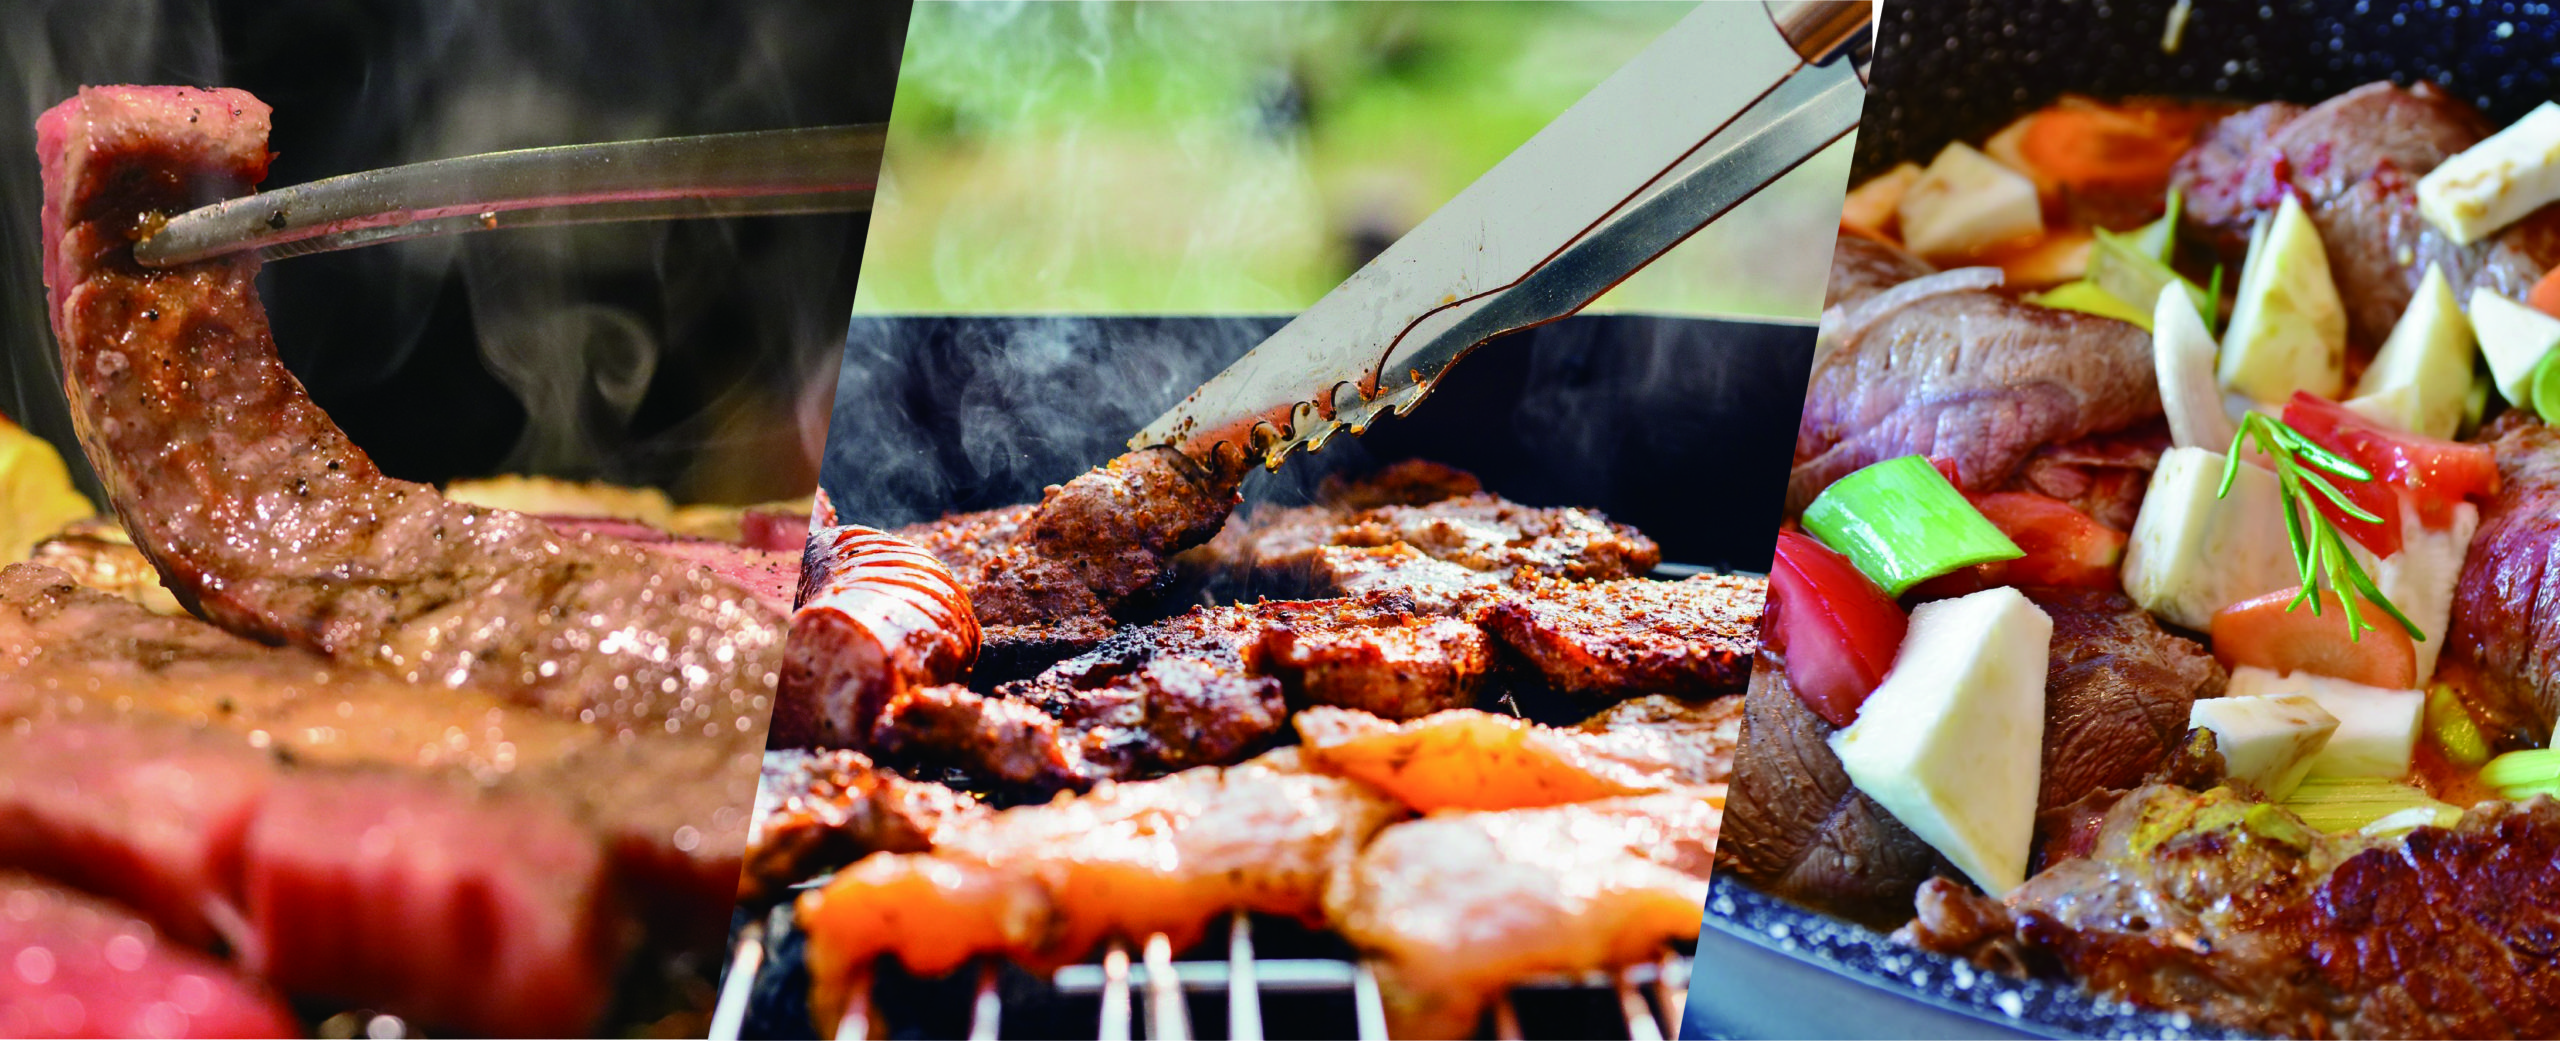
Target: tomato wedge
[
  {"x": 1837, "y": 630},
  {"x": 2261, "y": 632},
  {"x": 2065, "y": 547},
  {"x": 2437, "y": 474}
]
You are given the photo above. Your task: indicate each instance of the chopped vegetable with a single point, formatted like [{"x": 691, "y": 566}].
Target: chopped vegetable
[
  {"x": 2428, "y": 356},
  {"x": 2546, "y": 387},
  {"x": 1966, "y": 203},
  {"x": 2127, "y": 269},
  {"x": 2085, "y": 145},
  {"x": 2007, "y": 146},
  {"x": 2422, "y": 576},
  {"x": 2053, "y": 260},
  {"x": 2159, "y": 239},
  {"x": 2267, "y": 740},
  {"x": 2451, "y": 728},
  {"x": 2515, "y": 339},
  {"x": 2087, "y": 297},
  {"x": 2525, "y": 774},
  {"x": 1870, "y": 206},
  {"x": 2270, "y": 632},
  {"x": 2377, "y": 733},
  {"x": 1950, "y": 743},
  {"x": 2288, "y": 328},
  {"x": 2061, "y": 546},
  {"x": 1901, "y": 522},
  {"x": 2495, "y": 183},
  {"x": 2545, "y": 294},
  {"x": 2182, "y": 350},
  {"x": 2317, "y": 545},
  {"x": 1837, "y": 631},
  {"x": 2198, "y": 548},
  {"x": 2437, "y": 474},
  {"x": 2342, "y": 804}
]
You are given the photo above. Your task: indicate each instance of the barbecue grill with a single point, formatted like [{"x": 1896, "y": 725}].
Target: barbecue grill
[{"x": 1681, "y": 427}]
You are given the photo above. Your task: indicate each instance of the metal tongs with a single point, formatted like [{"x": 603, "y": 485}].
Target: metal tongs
[
  {"x": 810, "y": 170},
  {"x": 1728, "y": 100}
]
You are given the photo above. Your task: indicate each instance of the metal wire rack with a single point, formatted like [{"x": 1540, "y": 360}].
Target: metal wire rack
[{"x": 1648, "y": 996}]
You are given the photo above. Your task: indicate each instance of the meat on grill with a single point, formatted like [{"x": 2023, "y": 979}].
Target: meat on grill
[
  {"x": 2238, "y": 914},
  {"x": 98, "y": 554},
  {"x": 1044, "y": 884},
  {"x": 818, "y": 811},
  {"x": 258, "y": 510},
  {"x": 1690, "y": 639},
  {"x": 1797, "y": 829},
  {"x": 1459, "y": 906},
  {"x": 80, "y": 967},
  {"x": 1209, "y": 686},
  {"x": 1967, "y": 375},
  {"x": 771, "y": 575},
  {"x": 2354, "y": 161},
  {"x": 878, "y": 615},
  {"x": 1471, "y": 760},
  {"x": 1453, "y": 555},
  {"x": 1050, "y": 581},
  {"x": 2505, "y": 630}
]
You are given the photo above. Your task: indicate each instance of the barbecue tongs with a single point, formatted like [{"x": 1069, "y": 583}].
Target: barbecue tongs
[
  {"x": 1728, "y": 100},
  {"x": 808, "y": 170}
]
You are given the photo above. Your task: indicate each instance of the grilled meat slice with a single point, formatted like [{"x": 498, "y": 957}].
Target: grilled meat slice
[
  {"x": 257, "y": 509},
  {"x": 1405, "y": 482},
  {"x": 1691, "y": 639},
  {"x": 1460, "y": 905},
  {"x": 818, "y": 811},
  {"x": 1452, "y": 556},
  {"x": 85, "y": 968},
  {"x": 1044, "y": 884},
  {"x": 1470, "y": 760},
  {"x": 2505, "y": 630},
  {"x": 2117, "y": 693},
  {"x": 2354, "y": 161},
  {"x": 1967, "y": 375},
  {"x": 98, "y": 554},
  {"x": 1089, "y": 548},
  {"x": 1798, "y": 830},
  {"x": 2237, "y": 913},
  {"x": 877, "y": 615},
  {"x": 1211, "y": 685},
  {"x": 962, "y": 541}
]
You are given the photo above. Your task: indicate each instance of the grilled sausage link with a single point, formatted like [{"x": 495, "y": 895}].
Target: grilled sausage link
[{"x": 877, "y": 615}]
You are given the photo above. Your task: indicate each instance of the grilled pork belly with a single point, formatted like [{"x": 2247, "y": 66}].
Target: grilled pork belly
[
  {"x": 257, "y": 509},
  {"x": 818, "y": 811},
  {"x": 1044, "y": 884},
  {"x": 1209, "y": 686},
  {"x": 1467, "y": 759},
  {"x": 1691, "y": 639},
  {"x": 85, "y": 968},
  {"x": 1461, "y": 905},
  {"x": 2237, "y": 913}
]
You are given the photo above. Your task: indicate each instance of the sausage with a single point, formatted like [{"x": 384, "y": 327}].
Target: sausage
[{"x": 877, "y": 615}]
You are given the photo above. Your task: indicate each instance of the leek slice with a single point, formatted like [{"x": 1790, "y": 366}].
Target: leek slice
[
  {"x": 2522, "y": 775},
  {"x": 2452, "y": 729},
  {"x": 2338, "y": 805},
  {"x": 1901, "y": 523},
  {"x": 2089, "y": 298}
]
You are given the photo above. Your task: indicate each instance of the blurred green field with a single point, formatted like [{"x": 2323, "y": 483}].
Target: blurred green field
[{"x": 1186, "y": 157}]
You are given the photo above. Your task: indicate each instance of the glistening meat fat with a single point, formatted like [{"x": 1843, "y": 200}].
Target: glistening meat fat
[{"x": 258, "y": 509}]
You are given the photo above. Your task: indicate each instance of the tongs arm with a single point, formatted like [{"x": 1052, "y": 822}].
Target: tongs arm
[{"x": 808, "y": 170}]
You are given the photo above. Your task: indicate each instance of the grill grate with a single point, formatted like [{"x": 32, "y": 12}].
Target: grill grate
[{"x": 1648, "y": 995}]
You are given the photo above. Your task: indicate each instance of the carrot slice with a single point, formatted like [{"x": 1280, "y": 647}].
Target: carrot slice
[
  {"x": 2261, "y": 632},
  {"x": 2545, "y": 295},
  {"x": 2089, "y": 145}
]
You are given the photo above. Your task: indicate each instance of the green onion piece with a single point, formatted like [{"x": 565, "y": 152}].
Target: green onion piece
[
  {"x": 2441, "y": 815},
  {"x": 2475, "y": 404},
  {"x": 2159, "y": 239},
  {"x": 2338, "y": 805},
  {"x": 1901, "y": 523},
  {"x": 2450, "y": 726},
  {"x": 2085, "y": 296},
  {"x": 2517, "y": 775},
  {"x": 2119, "y": 265},
  {"x": 2544, "y": 387}
]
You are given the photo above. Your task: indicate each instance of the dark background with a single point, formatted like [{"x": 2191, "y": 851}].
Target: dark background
[{"x": 689, "y": 355}]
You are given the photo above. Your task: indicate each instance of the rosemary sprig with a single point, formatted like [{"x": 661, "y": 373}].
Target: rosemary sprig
[{"x": 2318, "y": 547}]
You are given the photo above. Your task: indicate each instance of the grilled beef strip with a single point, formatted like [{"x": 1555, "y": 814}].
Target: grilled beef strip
[
  {"x": 2235, "y": 912},
  {"x": 2117, "y": 693},
  {"x": 1630, "y": 637},
  {"x": 1967, "y": 375},
  {"x": 2354, "y": 161},
  {"x": 2504, "y": 635},
  {"x": 260, "y": 513}
]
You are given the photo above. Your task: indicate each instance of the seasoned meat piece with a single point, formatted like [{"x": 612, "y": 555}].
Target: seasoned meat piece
[
  {"x": 1452, "y": 556},
  {"x": 1091, "y": 546},
  {"x": 1460, "y": 905},
  {"x": 2355, "y": 160},
  {"x": 818, "y": 811},
  {"x": 1044, "y": 884},
  {"x": 2117, "y": 693},
  {"x": 2236, "y": 913},
  {"x": 1967, "y": 375},
  {"x": 1691, "y": 639},
  {"x": 877, "y": 615},
  {"x": 1471, "y": 760},
  {"x": 1797, "y": 829},
  {"x": 86, "y": 968},
  {"x": 962, "y": 541},
  {"x": 2504, "y": 636},
  {"x": 1407, "y": 482},
  {"x": 258, "y": 510},
  {"x": 1208, "y": 686}
]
